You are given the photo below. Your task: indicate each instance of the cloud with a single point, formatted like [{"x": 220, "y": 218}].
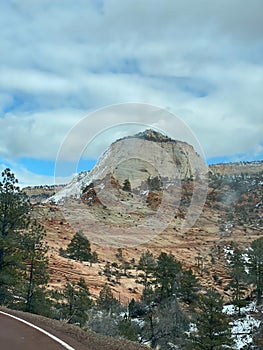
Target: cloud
[
  {"x": 35, "y": 135},
  {"x": 200, "y": 60},
  {"x": 28, "y": 178}
]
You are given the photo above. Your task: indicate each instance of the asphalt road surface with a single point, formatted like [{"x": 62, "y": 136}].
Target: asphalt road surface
[{"x": 17, "y": 335}]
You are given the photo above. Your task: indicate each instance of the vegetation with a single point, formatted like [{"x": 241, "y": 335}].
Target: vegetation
[
  {"x": 164, "y": 324},
  {"x": 175, "y": 310},
  {"x": 189, "y": 287},
  {"x": 73, "y": 303},
  {"x": 36, "y": 274},
  {"x": 79, "y": 249},
  {"x": 237, "y": 274},
  {"x": 212, "y": 330},
  {"x": 154, "y": 184},
  {"x": 167, "y": 276},
  {"x": 147, "y": 266},
  {"x": 126, "y": 185},
  {"x": 106, "y": 300},
  {"x": 14, "y": 210}
]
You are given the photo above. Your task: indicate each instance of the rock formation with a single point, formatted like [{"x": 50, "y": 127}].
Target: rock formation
[{"x": 138, "y": 158}]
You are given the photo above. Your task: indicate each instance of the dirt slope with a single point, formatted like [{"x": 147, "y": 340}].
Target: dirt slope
[{"x": 74, "y": 336}]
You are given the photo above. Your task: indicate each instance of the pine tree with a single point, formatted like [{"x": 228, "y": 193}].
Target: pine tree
[
  {"x": 147, "y": 265},
  {"x": 148, "y": 295},
  {"x": 167, "y": 275},
  {"x": 126, "y": 185},
  {"x": 255, "y": 266},
  {"x": 212, "y": 325},
  {"x": 106, "y": 300},
  {"x": 125, "y": 266},
  {"x": 154, "y": 184},
  {"x": 36, "y": 274},
  {"x": 127, "y": 329},
  {"x": 14, "y": 209},
  {"x": 119, "y": 254},
  {"x": 189, "y": 286},
  {"x": 79, "y": 248},
  {"x": 164, "y": 323},
  {"x": 93, "y": 258},
  {"x": 237, "y": 273},
  {"x": 74, "y": 302}
]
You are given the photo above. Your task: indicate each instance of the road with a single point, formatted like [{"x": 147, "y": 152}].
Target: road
[{"x": 17, "y": 334}]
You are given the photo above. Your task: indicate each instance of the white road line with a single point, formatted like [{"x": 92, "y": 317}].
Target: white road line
[{"x": 61, "y": 342}]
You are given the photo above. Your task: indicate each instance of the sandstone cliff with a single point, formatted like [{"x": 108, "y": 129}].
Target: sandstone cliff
[{"x": 137, "y": 158}]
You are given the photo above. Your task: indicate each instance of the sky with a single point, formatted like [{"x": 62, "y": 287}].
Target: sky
[{"x": 62, "y": 61}]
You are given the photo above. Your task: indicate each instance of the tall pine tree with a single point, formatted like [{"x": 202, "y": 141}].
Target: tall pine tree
[
  {"x": 36, "y": 269},
  {"x": 14, "y": 210},
  {"x": 167, "y": 276},
  {"x": 79, "y": 248},
  {"x": 147, "y": 265},
  {"x": 255, "y": 266},
  {"x": 73, "y": 302},
  {"x": 237, "y": 274},
  {"x": 212, "y": 325},
  {"x": 106, "y": 300}
]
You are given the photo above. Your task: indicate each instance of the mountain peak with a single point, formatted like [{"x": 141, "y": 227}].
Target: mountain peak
[
  {"x": 152, "y": 135},
  {"x": 149, "y": 135}
]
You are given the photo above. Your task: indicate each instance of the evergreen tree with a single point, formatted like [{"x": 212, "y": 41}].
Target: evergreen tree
[
  {"x": 237, "y": 273},
  {"x": 14, "y": 209},
  {"x": 127, "y": 329},
  {"x": 154, "y": 184},
  {"x": 189, "y": 286},
  {"x": 147, "y": 265},
  {"x": 119, "y": 254},
  {"x": 106, "y": 300},
  {"x": 126, "y": 185},
  {"x": 74, "y": 302},
  {"x": 148, "y": 295},
  {"x": 212, "y": 325},
  {"x": 164, "y": 324},
  {"x": 14, "y": 205},
  {"x": 167, "y": 275},
  {"x": 79, "y": 248},
  {"x": 93, "y": 258},
  {"x": 107, "y": 270},
  {"x": 36, "y": 275},
  {"x": 255, "y": 266}
]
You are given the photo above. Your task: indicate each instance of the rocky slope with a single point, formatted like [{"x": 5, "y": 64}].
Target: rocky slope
[
  {"x": 237, "y": 168},
  {"x": 137, "y": 158},
  {"x": 150, "y": 213}
]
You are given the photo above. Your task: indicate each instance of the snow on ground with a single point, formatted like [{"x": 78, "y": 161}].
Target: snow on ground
[
  {"x": 244, "y": 327},
  {"x": 233, "y": 310},
  {"x": 228, "y": 253}
]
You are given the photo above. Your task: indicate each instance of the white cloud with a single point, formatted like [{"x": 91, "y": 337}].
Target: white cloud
[
  {"x": 28, "y": 178},
  {"x": 36, "y": 135},
  {"x": 33, "y": 82},
  {"x": 202, "y": 60}
]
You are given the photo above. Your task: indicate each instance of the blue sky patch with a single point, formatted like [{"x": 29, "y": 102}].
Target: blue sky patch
[{"x": 38, "y": 166}]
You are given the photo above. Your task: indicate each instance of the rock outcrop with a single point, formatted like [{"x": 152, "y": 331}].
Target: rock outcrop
[{"x": 137, "y": 158}]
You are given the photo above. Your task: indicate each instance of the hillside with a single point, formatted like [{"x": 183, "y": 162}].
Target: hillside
[
  {"x": 148, "y": 217},
  {"x": 232, "y": 212},
  {"x": 157, "y": 196},
  {"x": 137, "y": 158},
  {"x": 74, "y": 336}
]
